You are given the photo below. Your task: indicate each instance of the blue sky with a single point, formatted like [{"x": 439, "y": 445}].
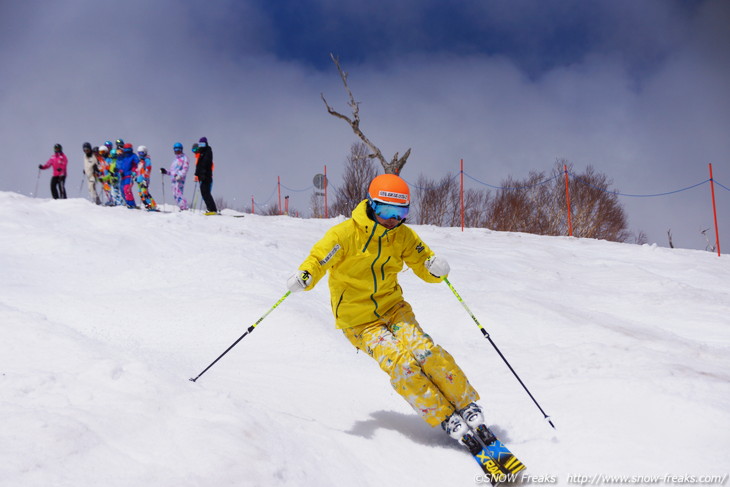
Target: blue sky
[{"x": 636, "y": 89}]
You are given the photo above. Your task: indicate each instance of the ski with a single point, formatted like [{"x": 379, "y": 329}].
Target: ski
[
  {"x": 497, "y": 451},
  {"x": 484, "y": 459}
]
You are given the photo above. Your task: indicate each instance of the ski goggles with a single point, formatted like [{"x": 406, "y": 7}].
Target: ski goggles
[{"x": 386, "y": 211}]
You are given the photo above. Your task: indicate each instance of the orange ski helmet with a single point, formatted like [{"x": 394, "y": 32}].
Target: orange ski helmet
[
  {"x": 389, "y": 189},
  {"x": 389, "y": 197}
]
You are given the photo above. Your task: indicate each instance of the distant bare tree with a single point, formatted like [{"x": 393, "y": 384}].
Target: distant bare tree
[
  {"x": 641, "y": 238},
  {"x": 524, "y": 206},
  {"x": 436, "y": 202},
  {"x": 359, "y": 171},
  {"x": 270, "y": 210},
  {"x": 711, "y": 247},
  {"x": 316, "y": 205},
  {"x": 538, "y": 205},
  {"x": 597, "y": 212},
  {"x": 476, "y": 203},
  {"x": 396, "y": 163}
]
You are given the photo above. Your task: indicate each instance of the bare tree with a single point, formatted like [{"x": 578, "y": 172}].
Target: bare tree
[
  {"x": 316, "y": 205},
  {"x": 437, "y": 202},
  {"x": 359, "y": 171},
  {"x": 711, "y": 247},
  {"x": 270, "y": 210},
  {"x": 396, "y": 163},
  {"x": 476, "y": 203},
  {"x": 640, "y": 238},
  {"x": 538, "y": 205},
  {"x": 524, "y": 206},
  {"x": 597, "y": 213}
]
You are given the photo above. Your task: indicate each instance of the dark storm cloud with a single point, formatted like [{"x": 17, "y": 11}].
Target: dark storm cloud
[
  {"x": 637, "y": 89},
  {"x": 537, "y": 36}
]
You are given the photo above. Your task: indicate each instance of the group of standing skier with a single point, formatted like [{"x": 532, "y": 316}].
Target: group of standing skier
[{"x": 118, "y": 168}]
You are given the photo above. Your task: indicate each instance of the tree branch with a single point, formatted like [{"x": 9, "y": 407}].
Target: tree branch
[{"x": 392, "y": 167}]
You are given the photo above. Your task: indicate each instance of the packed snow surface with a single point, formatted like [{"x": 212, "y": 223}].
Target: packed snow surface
[{"x": 105, "y": 313}]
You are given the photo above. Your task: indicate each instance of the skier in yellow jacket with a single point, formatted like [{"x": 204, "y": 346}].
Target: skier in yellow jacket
[{"x": 364, "y": 255}]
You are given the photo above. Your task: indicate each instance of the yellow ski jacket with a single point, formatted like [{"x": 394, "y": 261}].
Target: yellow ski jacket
[{"x": 364, "y": 259}]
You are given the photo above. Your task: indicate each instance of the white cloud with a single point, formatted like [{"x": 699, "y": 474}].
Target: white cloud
[{"x": 157, "y": 75}]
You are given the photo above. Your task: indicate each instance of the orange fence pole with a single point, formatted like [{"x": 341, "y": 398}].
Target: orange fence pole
[
  {"x": 714, "y": 211},
  {"x": 567, "y": 201}
]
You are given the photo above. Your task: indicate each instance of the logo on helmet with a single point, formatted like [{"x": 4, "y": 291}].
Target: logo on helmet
[{"x": 391, "y": 194}]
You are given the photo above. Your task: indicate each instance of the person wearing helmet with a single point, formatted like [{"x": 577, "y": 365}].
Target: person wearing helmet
[
  {"x": 102, "y": 165},
  {"x": 90, "y": 172},
  {"x": 127, "y": 165},
  {"x": 196, "y": 154},
  {"x": 204, "y": 173},
  {"x": 144, "y": 170},
  {"x": 113, "y": 177},
  {"x": 59, "y": 162},
  {"x": 178, "y": 172},
  {"x": 363, "y": 256}
]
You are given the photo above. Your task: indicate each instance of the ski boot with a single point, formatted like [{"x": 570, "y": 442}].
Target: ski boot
[{"x": 458, "y": 429}]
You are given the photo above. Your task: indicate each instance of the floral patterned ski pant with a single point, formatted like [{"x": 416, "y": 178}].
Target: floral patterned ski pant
[
  {"x": 423, "y": 373},
  {"x": 178, "y": 186},
  {"x": 143, "y": 189}
]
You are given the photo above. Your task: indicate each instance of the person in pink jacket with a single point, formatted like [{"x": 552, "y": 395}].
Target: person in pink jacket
[{"x": 58, "y": 181}]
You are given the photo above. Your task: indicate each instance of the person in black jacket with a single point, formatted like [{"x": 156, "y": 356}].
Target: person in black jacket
[{"x": 204, "y": 173}]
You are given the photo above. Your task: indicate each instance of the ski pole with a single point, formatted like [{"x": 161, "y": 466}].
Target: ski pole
[
  {"x": 162, "y": 180},
  {"x": 486, "y": 335},
  {"x": 249, "y": 330},
  {"x": 195, "y": 194},
  {"x": 37, "y": 179}
]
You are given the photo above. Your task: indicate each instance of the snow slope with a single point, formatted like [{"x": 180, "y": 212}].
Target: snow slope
[{"x": 106, "y": 312}]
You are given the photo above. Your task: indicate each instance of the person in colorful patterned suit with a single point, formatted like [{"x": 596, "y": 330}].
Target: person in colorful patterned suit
[
  {"x": 91, "y": 171},
  {"x": 144, "y": 169},
  {"x": 112, "y": 177},
  {"x": 103, "y": 166},
  {"x": 363, "y": 256},
  {"x": 178, "y": 171},
  {"x": 127, "y": 165}
]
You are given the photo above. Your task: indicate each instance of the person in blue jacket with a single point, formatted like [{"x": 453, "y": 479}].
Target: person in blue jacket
[{"x": 127, "y": 166}]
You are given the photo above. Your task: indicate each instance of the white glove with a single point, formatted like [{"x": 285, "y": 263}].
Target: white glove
[
  {"x": 437, "y": 266},
  {"x": 298, "y": 281}
]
